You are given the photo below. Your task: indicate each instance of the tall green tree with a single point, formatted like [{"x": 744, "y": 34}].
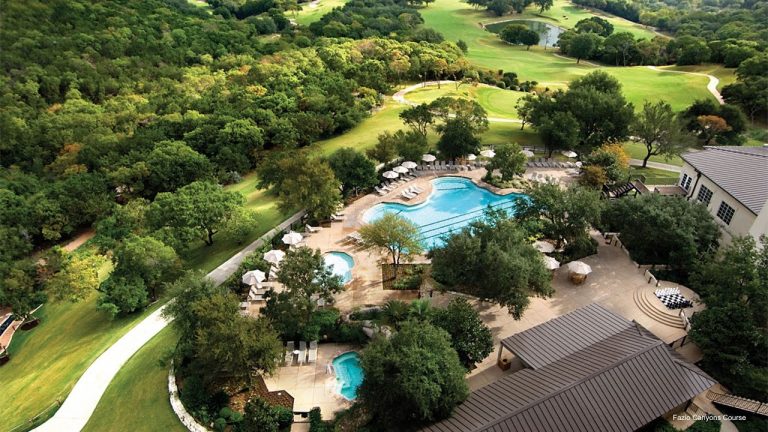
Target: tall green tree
[
  {"x": 456, "y": 139},
  {"x": 77, "y": 279},
  {"x": 419, "y": 118},
  {"x": 355, "y": 171},
  {"x": 412, "y": 378},
  {"x": 563, "y": 214},
  {"x": 732, "y": 331},
  {"x": 660, "y": 229},
  {"x": 394, "y": 235},
  {"x": 470, "y": 337},
  {"x": 173, "y": 164},
  {"x": 660, "y": 131},
  {"x": 466, "y": 258},
  {"x": 509, "y": 160},
  {"x": 148, "y": 259},
  {"x": 199, "y": 209}
]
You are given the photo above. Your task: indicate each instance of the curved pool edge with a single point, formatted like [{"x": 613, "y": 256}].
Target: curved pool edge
[
  {"x": 363, "y": 219},
  {"x": 351, "y": 258},
  {"x": 340, "y": 385}
]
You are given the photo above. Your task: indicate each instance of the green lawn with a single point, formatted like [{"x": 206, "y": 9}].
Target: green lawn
[
  {"x": 137, "y": 398},
  {"x": 307, "y": 15},
  {"x": 724, "y": 74},
  {"x": 655, "y": 176},
  {"x": 637, "y": 151},
  {"x": 457, "y": 20},
  {"x": 48, "y": 360},
  {"x": 497, "y": 102}
]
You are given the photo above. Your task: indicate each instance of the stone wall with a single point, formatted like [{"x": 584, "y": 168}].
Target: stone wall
[{"x": 185, "y": 417}]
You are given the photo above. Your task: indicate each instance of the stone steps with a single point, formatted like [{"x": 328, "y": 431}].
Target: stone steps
[{"x": 646, "y": 300}]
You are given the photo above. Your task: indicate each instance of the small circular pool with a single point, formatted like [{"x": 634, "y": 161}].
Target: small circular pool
[
  {"x": 341, "y": 264},
  {"x": 349, "y": 374}
]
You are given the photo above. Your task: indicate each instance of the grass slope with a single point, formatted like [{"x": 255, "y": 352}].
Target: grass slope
[
  {"x": 497, "y": 102},
  {"x": 457, "y": 20},
  {"x": 47, "y": 361},
  {"x": 137, "y": 398},
  {"x": 308, "y": 14}
]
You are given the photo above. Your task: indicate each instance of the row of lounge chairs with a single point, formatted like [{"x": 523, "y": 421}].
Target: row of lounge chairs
[
  {"x": 388, "y": 187},
  {"x": 548, "y": 163},
  {"x": 305, "y": 355},
  {"x": 411, "y": 192},
  {"x": 446, "y": 166}
]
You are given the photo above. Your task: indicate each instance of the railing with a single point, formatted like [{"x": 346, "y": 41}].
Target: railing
[{"x": 738, "y": 402}]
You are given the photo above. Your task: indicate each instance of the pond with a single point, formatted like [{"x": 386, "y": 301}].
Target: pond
[{"x": 548, "y": 33}]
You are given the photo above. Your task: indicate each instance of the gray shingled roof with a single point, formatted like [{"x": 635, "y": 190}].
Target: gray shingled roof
[
  {"x": 564, "y": 335},
  {"x": 740, "y": 171},
  {"x": 617, "y": 384}
]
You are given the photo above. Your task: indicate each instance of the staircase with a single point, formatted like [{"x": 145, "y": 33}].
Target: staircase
[
  {"x": 739, "y": 402},
  {"x": 651, "y": 306}
]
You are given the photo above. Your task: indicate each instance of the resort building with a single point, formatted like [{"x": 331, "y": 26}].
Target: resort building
[
  {"x": 590, "y": 370},
  {"x": 733, "y": 183}
]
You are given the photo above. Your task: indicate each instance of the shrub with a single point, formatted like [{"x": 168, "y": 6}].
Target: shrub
[
  {"x": 219, "y": 424},
  {"x": 581, "y": 247},
  {"x": 705, "y": 426},
  {"x": 284, "y": 417},
  {"x": 350, "y": 333},
  {"x": 316, "y": 423},
  {"x": 193, "y": 394},
  {"x": 411, "y": 279}
]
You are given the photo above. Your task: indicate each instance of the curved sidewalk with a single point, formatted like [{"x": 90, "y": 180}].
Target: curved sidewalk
[{"x": 77, "y": 409}]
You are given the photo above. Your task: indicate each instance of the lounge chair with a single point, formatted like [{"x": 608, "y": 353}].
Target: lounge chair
[
  {"x": 289, "y": 353},
  {"x": 336, "y": 218},
  {"x": 407, "y": 195},
  {"x": 354, "y": 237},
  {"x": 311, "y": 229},
  {"x": 312, "y": 354},
  {"x": 417, "y": 189},
  {"x": 380, "y": 191},
  {"x": 412, "y": 191},
  {"x": 302, "y": 352}
]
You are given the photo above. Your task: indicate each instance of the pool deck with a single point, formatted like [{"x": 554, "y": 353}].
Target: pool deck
[{"x": 612, "y": 283}]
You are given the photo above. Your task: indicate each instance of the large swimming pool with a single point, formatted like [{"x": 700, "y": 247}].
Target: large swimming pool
[
  {"x": 349, "y": 374},
  {"x": 453, "y": 204}
]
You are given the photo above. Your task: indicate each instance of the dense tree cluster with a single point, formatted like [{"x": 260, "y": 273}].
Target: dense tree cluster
[
  {"x": 496, "y": 242},
  {"x": 359, "y": 19},
  {"x": 665, "y": 230},
  {"x": 712, "y": 31},
  {"x": 591, "y": 112},
  {"x": 750, "y": 91},
  {"x": 732, "y": 331}
]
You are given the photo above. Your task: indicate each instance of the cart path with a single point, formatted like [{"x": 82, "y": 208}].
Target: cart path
[
  {"x": 711, "y": 86},
  {"x": 81, "y": 402}
]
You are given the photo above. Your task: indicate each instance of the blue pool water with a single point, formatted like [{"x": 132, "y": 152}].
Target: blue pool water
[
  {"x": 341, "y": 265},
  {"x": 453, "y": 204},
  {"x": 349, "y": 374}
]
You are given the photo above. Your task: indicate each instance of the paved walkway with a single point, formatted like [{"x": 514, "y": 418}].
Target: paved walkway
[
  {"x": 657, "y": 165},
  {"x": 77, "y": 409}
]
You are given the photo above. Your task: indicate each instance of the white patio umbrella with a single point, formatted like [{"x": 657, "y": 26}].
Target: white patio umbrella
[
  {"x": 471, "y": 157},
  {"x": 579, "y": 267},
  {"x": 579, "y": 164},
  {"x": 569, "y": 153},
  {"x": 544, "y": 247},
  {"x": 274, "y": 256},
  {"x": 390, "y": 175},
  {"x": 408, "y": 164},
  {"x": 428, "y": 158},
  {"x": 551, "y": 263},
  {"x": 527, "y": 153},
  {"x": 292, "y": 238},
  {"x": 488, "y": 153},
  {"x": 400, "y": 169},
  {"x": 254, "y": 277}
]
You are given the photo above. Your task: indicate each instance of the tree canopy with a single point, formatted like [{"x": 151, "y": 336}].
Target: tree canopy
[
  {"x": 394, "y": 235},
  {"x": 412, "y": 378},
  {"x": 496, "y": 242}
]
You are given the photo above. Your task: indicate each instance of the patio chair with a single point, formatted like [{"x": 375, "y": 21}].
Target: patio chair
[
  {"x": 311, "y": 229},
  {"x": 411, "y": 190},
  {"x": 302, "y": 352},
  {"x": 336, "y": 218},
  {"x": 407, "y": 195},
  {"x": 289, "y": 353},
  {"x": 312, "y": 355},
  {"x": 417, "y": 189},
  {"x": 354, "y": 237},
  {"x": 380, "y": 191}
]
